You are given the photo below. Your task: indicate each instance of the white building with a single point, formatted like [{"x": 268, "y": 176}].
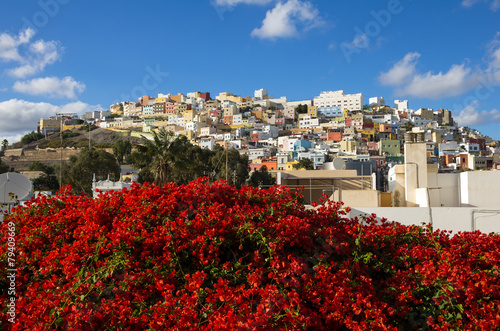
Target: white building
[
  {"x": 207, "y": 131},
  {"x": 107, "y": 185},
  {"x": 420, "y": 121},
  {"x": 257, "y": 153},
  {"x": 191, "y": 126},
  {"x": 237, "y": 119},
  {"x": 401, "y": 104},
  {"x": 180, "y": 121},
  {"x": 376, "y": 102},
  {"x": 260, "y": 94},
  {"x": 295, "y": 104},
  {"x": 272, "y": 130},
  {"x": 308, "y": 123},
  {"x": 208, "y": 143},
  {"x": 350, "y": 102}
]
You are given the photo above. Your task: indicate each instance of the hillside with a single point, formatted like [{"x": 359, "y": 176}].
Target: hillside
[
  {"x": 98, "y": 136},
  {"x": 45, "y": 150}
]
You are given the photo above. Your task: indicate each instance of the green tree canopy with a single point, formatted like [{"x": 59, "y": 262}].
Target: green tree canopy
[
  {"x": 122, "y": 149},
  {"x": 47, "y": 181},
  {"x": 5, "y": 143},
  {"x": 301, "y": 109},
  {"x": 237, "y": 166},
  {"x": 3, "y": 167},
  {"x": 162, "y": 156},
  {"x": 30, "y": 137},
  {"x": 306, "y": 164},
  {"x": 262, "y": 177},
  {"x": 89, "y": 162}
]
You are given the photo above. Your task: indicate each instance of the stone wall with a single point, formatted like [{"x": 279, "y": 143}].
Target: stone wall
[{"x": 49, "y": 156}]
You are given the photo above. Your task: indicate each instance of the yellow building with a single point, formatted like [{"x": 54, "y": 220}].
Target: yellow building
[
  {"x": 312, "y": 111},
  {"x": 290, "y": 164},
  {"x": 177, "y": 98},
  {"x": 348, "y": 146},
  {"x": 181, "y": 107},
  {"x": 50, "y": 125},
  {"x": 189, "y": 116},
  {"x": 224, "y": 96},
  {"x": 237, "y": 99},
  {"x": 230, "y": 97},
  {"x": 161, "y": 100}
]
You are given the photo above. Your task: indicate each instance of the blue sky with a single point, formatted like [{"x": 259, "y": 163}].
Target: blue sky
[{"x": 76, "y": 56}]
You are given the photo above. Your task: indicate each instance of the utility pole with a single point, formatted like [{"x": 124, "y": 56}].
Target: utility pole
[{"x": 62, "y": 116}]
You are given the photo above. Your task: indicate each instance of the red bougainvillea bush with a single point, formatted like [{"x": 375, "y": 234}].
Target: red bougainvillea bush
[{"x": 211, "y": 256}]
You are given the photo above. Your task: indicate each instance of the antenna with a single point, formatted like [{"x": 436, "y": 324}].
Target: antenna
[{"x": 13, "y": 187}]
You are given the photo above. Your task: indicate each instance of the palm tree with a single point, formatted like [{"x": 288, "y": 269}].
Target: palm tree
[
  {"x": 5, "y": 143},
  {"x": 165, "y": 154}
]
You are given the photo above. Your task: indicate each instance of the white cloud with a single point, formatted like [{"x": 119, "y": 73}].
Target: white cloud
[
  {"x": 14, "y": 137},
  {"x": 9, "y": 45},
  {"x": 20, "y": 116},
  {"x": 494, "y": 4},
  {"x": 494, "y": 53},
  {"x": 282, "y": 21},
  {"x": 456, "y": 81},
  {"x": 31, "y": 57},
  {"x": 39, "y": 55},
  {"x": 404, "y": 77},
  {"x": 471, "y": 116},
  {"x": 231, "y": 3},
  {"x": 401, "y": 72},
  {"x": 3, "y": 89},
  {"x": 51, "y": 86}
]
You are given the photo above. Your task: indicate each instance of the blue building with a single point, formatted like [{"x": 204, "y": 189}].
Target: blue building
[{"x": 334, "y": 111}]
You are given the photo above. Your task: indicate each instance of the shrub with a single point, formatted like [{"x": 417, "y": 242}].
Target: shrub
[{"x": 211, "y": 256}]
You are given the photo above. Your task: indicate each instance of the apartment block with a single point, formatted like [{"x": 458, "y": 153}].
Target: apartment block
[{"x": 351, "y": 102}]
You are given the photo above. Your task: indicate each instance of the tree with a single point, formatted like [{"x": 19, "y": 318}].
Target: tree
[
  {"x": 38, "y": 166},
  {"x": 237, "y": 166},
  {"x": 30, "y": 137},
  {"x": 3, "y": 167},
  {"x": 5, "y": 143},
  {"x": 162, "y": 155},
  {"x": 47, "y": 181},
  {"x": 89, "y": 162},
  {"x": 122, "y": 149},
  {"x": 262, "y": 177},
  {"x": 306, "y": 164},
  {"x": 301, "y": 109}
]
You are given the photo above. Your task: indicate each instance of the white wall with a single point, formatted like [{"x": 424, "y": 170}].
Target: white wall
[
  {"x": 480, "y": 188},
  {"x": 450, "y": 219},
  {"x": 446, "y": 187}
]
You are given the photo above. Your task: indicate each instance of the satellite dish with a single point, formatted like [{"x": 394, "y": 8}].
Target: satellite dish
[
  {"x": 14, "y": 187},
  {"x": 338, "y": 163}
]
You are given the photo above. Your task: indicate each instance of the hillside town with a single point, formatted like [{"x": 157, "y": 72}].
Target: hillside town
[
  {"x": 366, "y": 154},
  {"x": 277, "y": 133}
]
